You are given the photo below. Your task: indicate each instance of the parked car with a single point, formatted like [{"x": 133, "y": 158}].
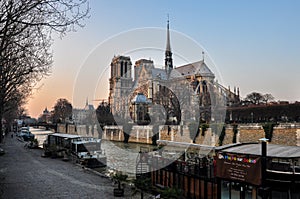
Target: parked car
[
  {"x": 26, "y": 135},
  {"x": 22, "y": 129},
  {"x": 2, "y": 152}
]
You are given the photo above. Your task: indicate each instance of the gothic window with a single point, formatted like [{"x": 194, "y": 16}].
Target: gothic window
[
  {"x": 126, "y": 70},
  {"x": 204, "y": 87},
  {"x": 121, "y": 68},
  {"x": 169, "y": 101},
  {"x": 140, "y": 113},
  {"x": 111, "y": 70}
]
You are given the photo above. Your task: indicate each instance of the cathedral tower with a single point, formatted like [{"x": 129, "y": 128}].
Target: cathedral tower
[{"x": 120, "y": 81}]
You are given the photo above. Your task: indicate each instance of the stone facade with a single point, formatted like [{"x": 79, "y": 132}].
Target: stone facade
[{"x": 176, "y": 89}]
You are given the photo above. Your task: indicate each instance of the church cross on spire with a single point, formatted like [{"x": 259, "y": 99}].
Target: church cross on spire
[{"x": 168, "y": 53}]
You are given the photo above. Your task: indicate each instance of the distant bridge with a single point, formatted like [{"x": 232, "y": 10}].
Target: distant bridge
[{"x": 46, "y": 125}]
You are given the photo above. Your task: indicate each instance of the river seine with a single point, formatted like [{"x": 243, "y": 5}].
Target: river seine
[{"x": 120, "y": 156}]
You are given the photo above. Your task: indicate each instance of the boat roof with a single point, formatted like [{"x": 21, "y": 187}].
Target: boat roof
[
  {"x": 273, "y": 150},
  {"x": 24, "y": 128},
  {"x": 84, "y": 140},
  {"x": 64, "y": 135}
]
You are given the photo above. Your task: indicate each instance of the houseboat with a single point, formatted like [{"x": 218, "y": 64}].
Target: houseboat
[
  {"x": 87, "y": 151},
  {"x": 84, "y": 150},
  {"x": 240, "y": 170}
]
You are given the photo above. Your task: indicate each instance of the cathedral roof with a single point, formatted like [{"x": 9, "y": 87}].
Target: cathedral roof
[
  {"x": 198, "y": 67},
  {"x": 89, "y": 107},
  {"x": 159, "y": 73}
]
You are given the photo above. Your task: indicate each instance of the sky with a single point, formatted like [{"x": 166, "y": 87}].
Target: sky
[{"x": 253, "y": 45}]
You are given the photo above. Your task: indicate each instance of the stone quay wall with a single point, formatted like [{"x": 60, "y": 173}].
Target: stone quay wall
[
  {"x": 286, "y": 134},
  {"x": 207, "y": 138},
  {"x": 229, "y": 134},
  {"x": 174, "y": 133},
  {"x": 61, "y": 128},
  {"x": 113, "y": 133},
  {"x": 141, "y": 134},
  {"x": 283, "y": 134},
  {"x": 250, "y": 133}
]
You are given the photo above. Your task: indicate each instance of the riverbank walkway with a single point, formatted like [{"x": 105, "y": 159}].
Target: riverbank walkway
[{"x": 25, "y": 174}]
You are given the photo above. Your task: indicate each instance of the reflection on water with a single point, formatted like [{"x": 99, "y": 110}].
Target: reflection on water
[
  {"x": 40, "y": 135},
  {"x": 122, "y": 156}
]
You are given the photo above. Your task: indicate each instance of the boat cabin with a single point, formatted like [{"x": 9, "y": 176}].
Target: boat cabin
[
  {"x": 86, "y": 147},
  {"x": 56, "y": 143},
  {"x": 88, "y": 152},
  {"x": 245, "y": 172}
]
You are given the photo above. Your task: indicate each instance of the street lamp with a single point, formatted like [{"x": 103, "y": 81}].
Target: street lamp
[{"x": 263, "y": 189}]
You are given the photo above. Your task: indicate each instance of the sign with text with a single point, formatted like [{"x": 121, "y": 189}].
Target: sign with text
[{"x": 243, "y": 168}]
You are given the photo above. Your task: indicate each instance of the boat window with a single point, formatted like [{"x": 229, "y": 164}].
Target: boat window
[
  {"x": 81, "y": 148},
  {"x": 93, "y": 146},
  {"x": 279, "y": 194},
  {"x": 51, "y": 140}
]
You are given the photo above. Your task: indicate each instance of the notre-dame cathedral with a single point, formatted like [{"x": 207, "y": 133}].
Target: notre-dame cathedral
[{"x": 170, "y": 95}]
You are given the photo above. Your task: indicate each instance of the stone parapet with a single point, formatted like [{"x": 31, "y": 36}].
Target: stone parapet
[{"x": 141, "y": 134}]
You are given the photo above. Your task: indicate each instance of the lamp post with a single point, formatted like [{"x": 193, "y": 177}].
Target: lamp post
[{"x": 263, "y": 188}]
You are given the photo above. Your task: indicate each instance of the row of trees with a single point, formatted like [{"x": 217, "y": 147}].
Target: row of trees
[{"x": 26, "y": 29}]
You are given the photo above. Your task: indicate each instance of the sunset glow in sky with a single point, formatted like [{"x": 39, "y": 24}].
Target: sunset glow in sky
[{"x": 254, "y": 45}]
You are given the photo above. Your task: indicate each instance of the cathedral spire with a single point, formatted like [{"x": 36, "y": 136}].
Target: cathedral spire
[
  {"x": 168, "y": 47},
  {"x": 168, "y": 53}
]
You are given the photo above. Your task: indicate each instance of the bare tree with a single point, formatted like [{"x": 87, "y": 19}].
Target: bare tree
[
  {"x": 62, "y": 110},
  {"x": 104, "y": 115},
  {"x": 268, "y": 97},
  {"x": 25, "y": 39},
  {"x": 254, "y": 98}
]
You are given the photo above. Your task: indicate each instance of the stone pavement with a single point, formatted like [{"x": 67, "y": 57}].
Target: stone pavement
[{"x": 25, "y": 174}]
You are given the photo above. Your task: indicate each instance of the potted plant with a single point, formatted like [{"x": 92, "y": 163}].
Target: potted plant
[
  {"x": 118, "y": 177},
  {"x": 53, "y": 151},
  {"x": 34, "y": 144},
  {"x": 142, "y": 184},
  {"x": 173, "y": 193}
]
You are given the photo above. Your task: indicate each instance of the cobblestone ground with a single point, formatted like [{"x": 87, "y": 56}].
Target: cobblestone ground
[{"x": 25, "y": 174}]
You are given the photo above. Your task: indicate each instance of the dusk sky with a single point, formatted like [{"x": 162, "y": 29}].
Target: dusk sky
[{"x": 253, "y": 45}]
